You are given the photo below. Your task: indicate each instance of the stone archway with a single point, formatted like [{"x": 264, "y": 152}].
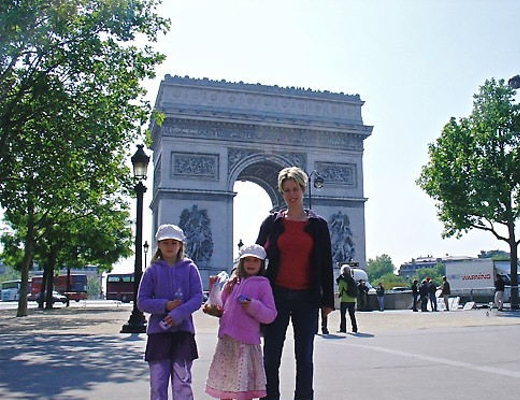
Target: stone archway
[{"x": 215, "y": 133}]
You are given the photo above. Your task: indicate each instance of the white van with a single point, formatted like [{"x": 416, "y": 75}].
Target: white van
[{"x": 358, "y": 274}]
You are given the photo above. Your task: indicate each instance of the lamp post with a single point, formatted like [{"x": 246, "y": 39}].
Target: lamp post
[
  {"x": 317, "y": 182},
  {"x": 240, "y": 244},
  {"x": 146, "y": 247},
  {"x": 137, "y": 321},
  {"x": 514, "y": 83}
]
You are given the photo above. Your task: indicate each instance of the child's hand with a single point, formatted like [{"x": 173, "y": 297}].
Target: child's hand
[
  {"x": 171, "y": 304},
  {"x": 244, "y": 301},
  {"x": 228, "y": 287},
  {"x": 169, "y": 320},
  {"x": 212, "y": 280},
  {"x": 213, "y": 310}
]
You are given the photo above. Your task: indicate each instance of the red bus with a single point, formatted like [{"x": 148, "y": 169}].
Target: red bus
[
  {"x": 78, "y": 286},
  {"x": 120, "y": 287}
]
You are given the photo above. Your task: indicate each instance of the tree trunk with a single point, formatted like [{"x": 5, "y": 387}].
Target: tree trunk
[
  {"x": 41, "y": 298},
  {"x": 49, "y": 267},
  {"x": 26, "y": 264},
  {"x": 22, "y": 301}
]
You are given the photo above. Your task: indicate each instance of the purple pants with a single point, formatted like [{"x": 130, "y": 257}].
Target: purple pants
[{"x": 179, "y": 371}]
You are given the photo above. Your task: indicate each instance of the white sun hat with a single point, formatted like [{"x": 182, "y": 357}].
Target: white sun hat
[
  {"x": 170, "y": 231},
  {"x": 253, "y": 250}
]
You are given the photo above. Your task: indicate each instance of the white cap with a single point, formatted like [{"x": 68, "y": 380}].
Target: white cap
[
  {"x": 169, "y": 231},
  {"x": 253, "y": 250}
]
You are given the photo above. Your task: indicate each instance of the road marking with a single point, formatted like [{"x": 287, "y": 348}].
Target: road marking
[{"x": 439, "y": 360}]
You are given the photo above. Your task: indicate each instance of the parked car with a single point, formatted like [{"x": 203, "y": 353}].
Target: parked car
[
  {"x": 399, "y": 289},
  {"x": 56, "y": 297}
]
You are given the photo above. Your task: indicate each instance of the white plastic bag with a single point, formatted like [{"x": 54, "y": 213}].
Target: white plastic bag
[{"x": 215, "y": 297}]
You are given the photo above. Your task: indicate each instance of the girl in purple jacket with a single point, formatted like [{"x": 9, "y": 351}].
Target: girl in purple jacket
[
  {"x": 237, "y": 369},
  {"x": 171, "y": 291}
]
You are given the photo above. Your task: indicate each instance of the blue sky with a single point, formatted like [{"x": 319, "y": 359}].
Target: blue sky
[{"x": 415, "y": 63}]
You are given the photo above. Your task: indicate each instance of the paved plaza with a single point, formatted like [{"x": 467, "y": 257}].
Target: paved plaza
[{"x": 79, "y": 354}]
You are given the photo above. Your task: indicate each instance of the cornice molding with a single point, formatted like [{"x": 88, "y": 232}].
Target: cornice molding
[{"x": 204, "y": 97}]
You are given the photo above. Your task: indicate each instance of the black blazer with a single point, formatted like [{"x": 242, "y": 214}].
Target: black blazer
[{"x": 321, "y": 256}]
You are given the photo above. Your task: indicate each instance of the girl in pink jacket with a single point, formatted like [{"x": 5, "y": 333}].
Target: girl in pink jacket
[{"x": 237, "y": 369}]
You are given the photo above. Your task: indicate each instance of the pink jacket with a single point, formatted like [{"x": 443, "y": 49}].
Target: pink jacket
[{"x": 241, "y": 323}]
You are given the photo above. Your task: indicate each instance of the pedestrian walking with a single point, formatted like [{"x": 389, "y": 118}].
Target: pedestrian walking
[
  {"x": 424, "y": 295},
  {"x": 432, "y": 289},
  {"x": 347, "y": 288},
  {"x": 415, "y": 294},
  {"x": 499, "y": 292},
  {"x": 380, "y": 294},
  {"x": 445, "y": 292},
  {"x": 362, "y": 298}
]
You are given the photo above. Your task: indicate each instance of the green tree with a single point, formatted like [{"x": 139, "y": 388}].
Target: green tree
[
  {"x": 434, "y": 273},
  {"x": 390, "y": 280},
  {"x": 71, "y": 104},
  {"x": 10, "y": 274},
  {"x": 94, "y": 288},
  {"x": 497, "y": 255},
  {"x": 93, "y": 235},
  {"x": 473, "y": 172},
  {"x": 378, "y": 267}
]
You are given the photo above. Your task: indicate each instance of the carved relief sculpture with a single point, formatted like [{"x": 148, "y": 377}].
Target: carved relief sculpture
[
  {"x": 197, "y": 227},
  {"x": 343, "y": 248}
]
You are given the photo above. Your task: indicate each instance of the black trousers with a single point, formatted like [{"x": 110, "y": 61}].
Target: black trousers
[
  {"x": 351, "y": 307},
  {"x": 424, "y": 303}
]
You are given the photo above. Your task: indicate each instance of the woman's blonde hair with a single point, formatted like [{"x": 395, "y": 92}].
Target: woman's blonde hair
[{"x": 294, "y": 173}]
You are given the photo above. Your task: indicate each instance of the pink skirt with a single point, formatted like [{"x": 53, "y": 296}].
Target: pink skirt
[{"x": 237, "y": 371}]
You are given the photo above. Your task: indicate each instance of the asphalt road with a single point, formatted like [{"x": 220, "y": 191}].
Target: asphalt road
[{"x": 78, "y": 353}]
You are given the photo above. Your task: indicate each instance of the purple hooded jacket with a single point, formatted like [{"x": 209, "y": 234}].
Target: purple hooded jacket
[
  {"x": 243, "y": 324},
  {"x": 158, "y": 285}
]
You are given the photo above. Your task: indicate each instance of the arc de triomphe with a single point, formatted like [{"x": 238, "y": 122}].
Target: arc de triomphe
[{"x": 216, "y": 132}]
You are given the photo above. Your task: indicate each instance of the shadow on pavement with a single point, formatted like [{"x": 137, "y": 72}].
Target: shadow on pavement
[
  {"x": 335, "y": 336},
  {"x": 64, "y": 321},
  {"x": 362, "y": 335},
  {"x": 508, "y": 313},
  {"x": 47, "y": 366}
]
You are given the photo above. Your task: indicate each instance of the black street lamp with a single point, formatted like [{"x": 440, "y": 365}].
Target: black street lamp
[
  {"x": 137, "y": 321},
  {"x": 317, "y": 182},
  {"x": 146, "y": 247},
  {"x": 240, "y": 244},
  {"x": 514, "y": 83}
]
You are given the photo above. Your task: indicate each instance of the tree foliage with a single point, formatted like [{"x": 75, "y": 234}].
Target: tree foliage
[
  {"x": 71, "y": 105},
  {"x": 10, "y": 274},
  {"x": 379, "y": 266},
  {"x": 435, "y": 273},
  {"x": 381, "y": 270},
  {"x": 473, "y": 172}
]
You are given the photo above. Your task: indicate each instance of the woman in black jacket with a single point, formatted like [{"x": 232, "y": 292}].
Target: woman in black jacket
[{"x": 298, "y": 247}]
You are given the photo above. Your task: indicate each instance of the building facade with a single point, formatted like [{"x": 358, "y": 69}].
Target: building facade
[{"x": 215, "y": 133}]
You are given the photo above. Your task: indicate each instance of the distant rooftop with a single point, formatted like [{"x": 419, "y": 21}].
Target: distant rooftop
[{"x": 429, "y": 259}]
